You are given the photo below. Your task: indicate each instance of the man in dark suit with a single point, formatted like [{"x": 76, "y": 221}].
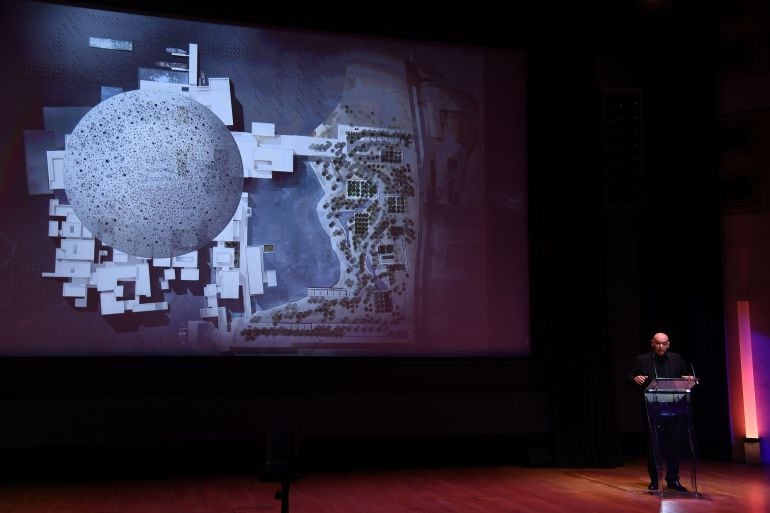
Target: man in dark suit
[{"x": 660, "y": 363}]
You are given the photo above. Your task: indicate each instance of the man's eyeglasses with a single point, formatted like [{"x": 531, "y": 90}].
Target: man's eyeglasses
[{"x": 660, "y": 344}]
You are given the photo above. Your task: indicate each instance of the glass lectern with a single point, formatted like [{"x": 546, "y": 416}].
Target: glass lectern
[{"x": 668, "y": 412}]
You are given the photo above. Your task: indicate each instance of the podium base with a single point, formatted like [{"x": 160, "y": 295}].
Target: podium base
[{"x": 667, "y": 494}]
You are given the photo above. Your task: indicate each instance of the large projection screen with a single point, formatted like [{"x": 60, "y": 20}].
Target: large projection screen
[{"x": 181, "y": 187}]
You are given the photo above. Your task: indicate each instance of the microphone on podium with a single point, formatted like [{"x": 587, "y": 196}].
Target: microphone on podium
[{"x": 692, "y": 367}]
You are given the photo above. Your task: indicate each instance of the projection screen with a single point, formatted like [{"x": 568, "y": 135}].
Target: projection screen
[{"x": 185, "y": 187}]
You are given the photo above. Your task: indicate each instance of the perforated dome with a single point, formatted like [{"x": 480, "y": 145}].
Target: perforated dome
[{"x": 153, "y": 174}]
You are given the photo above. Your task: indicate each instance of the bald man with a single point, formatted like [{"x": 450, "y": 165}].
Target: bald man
[{"x": 661, "y": 363}]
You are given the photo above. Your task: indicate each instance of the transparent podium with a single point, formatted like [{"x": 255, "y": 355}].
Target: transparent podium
[{"x": 669, "y": 411}]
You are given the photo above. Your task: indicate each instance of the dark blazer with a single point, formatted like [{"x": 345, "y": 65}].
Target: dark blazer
[{"x": 672, "y": 365}]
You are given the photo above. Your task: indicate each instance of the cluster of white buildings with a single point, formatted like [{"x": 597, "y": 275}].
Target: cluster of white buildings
[{"x": 123, "y": 281}]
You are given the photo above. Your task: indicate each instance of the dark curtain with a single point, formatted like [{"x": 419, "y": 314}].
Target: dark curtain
[{"x": 569, "y": 298}]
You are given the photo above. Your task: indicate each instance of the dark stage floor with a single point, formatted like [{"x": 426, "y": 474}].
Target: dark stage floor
[{"x": 727, "y": 488}]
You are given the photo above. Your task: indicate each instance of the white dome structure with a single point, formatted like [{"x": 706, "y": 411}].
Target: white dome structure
[{"x": 154, "y": 174}]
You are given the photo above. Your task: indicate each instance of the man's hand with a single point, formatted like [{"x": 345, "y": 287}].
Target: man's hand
[{"x": 639, "y": 380}]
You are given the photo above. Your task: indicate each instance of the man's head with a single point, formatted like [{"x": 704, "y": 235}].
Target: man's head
[{"x": 659, "y": 343}]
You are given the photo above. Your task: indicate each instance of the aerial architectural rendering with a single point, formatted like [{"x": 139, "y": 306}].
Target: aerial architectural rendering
[{"x": 213, "y": 189}]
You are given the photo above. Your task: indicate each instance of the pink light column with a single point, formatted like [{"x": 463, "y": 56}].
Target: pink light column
[{"x": 751, "y": 442}]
